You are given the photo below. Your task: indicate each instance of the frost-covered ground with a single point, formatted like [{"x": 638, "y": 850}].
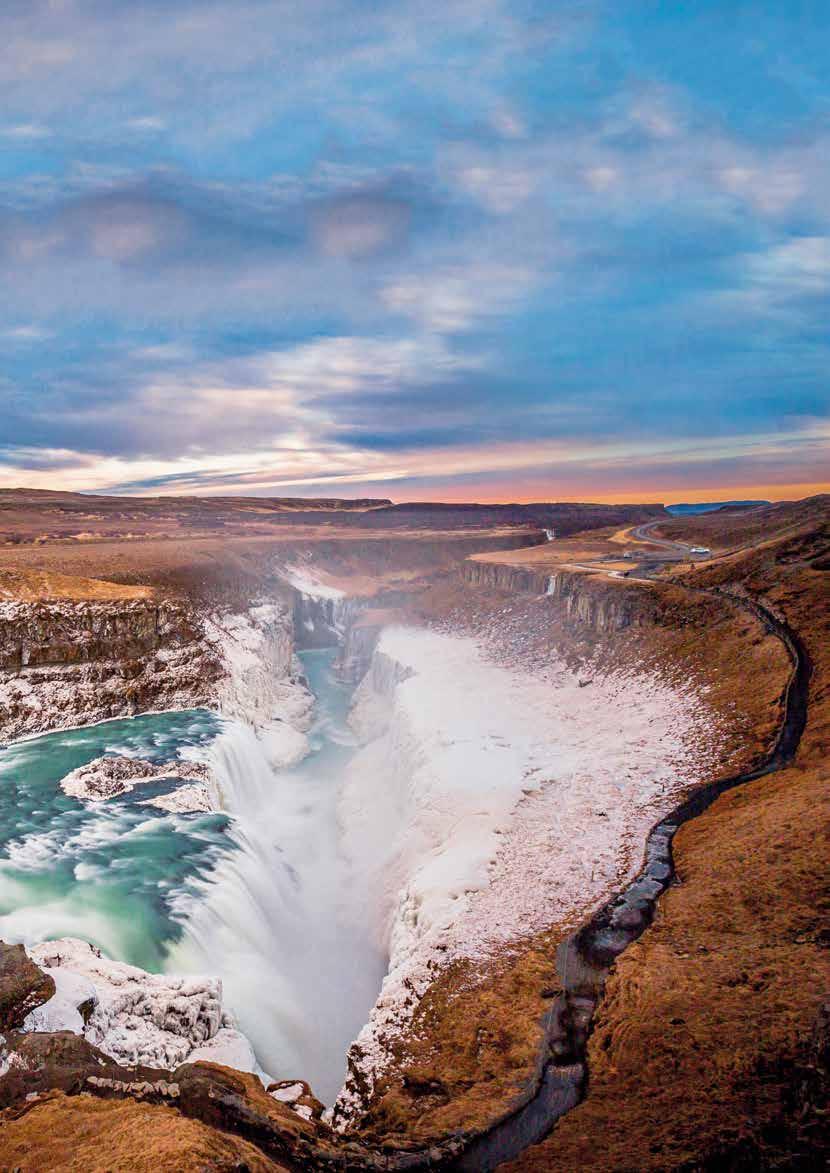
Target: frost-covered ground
[{"x": 491, "y": 803}]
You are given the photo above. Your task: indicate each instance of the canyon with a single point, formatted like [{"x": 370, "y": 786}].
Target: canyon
[{"x": 434, "y": 743}]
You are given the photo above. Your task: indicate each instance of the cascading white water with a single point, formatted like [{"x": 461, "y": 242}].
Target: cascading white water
[{"x": 279, "y": 919}]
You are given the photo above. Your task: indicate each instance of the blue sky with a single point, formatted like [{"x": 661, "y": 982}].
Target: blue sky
[{"x": 461, "y": 249}]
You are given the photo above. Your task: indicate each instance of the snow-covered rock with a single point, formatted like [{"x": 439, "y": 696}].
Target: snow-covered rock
[
  {"x": 228, "y": 1047},
  {"x": 113, "y": 775},
  {"x": 65, "y": 663},
  {"x": 191, "y": 798},
  {"x": 136, "y": 1017},
  {"x": 61, "y": 1012}
]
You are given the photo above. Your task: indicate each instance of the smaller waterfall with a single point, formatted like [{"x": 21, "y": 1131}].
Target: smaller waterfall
[{"x": 550, "y": 534}]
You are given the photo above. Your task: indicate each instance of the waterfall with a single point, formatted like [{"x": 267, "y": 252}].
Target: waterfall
[
  {"x": 279, "y": 919},
  {"x": 242, "y": 774}
]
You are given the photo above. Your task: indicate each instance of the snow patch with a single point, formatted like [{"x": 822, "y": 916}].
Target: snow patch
[{"x": 191, "y": 798}]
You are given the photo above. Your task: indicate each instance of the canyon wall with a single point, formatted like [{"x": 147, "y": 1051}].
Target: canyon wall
[
  {"x": 65, "y": 663},
  {"x": 68, "y": 663},
  {"x": 597, "y": 601},
  {"x": 322, "y": 621}
]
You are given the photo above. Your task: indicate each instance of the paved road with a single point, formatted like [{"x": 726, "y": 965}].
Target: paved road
[{"x": 643, "y": 533}]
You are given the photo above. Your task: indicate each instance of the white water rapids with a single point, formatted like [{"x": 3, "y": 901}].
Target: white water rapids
[{"x": 278, "y": 920}]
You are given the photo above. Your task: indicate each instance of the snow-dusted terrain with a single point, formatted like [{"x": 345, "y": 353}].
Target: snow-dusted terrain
[{"x": 489, "y": 804}]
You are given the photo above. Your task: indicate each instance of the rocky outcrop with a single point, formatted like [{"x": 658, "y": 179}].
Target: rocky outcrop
[
  {"x": 113, "y": 775},
  {"x": 298, "y": 1096}
]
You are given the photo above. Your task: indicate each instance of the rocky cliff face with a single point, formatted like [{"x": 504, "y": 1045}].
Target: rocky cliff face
[
  {"x": 502, "y": 576},
  {"x": 600, "y": 604},
  {"x": 360, "y": 638},
  {"x": 65, "y": 663},
  {"x": 68, "y": 663},
  {"x": 322, "y": 621},
  {"x": 62, "y": 632}
]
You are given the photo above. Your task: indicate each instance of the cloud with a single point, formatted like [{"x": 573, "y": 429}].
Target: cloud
[
  {"x": 24, "y": 130},
  {"x": 343, "y": 240},
  {"x": 797, "y": 267},
  {"x": 453, "y": 300},
  {"x": 360, "y": 225},
  {"x": 26, "y": 334}
]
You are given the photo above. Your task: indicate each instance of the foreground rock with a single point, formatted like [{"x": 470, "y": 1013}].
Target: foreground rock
[
  {"x": 297, "y": 1095},
  {"x": 23, "y": 986}
]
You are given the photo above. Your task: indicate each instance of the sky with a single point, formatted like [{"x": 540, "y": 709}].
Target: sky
[{"x": 467, "y": 249}]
